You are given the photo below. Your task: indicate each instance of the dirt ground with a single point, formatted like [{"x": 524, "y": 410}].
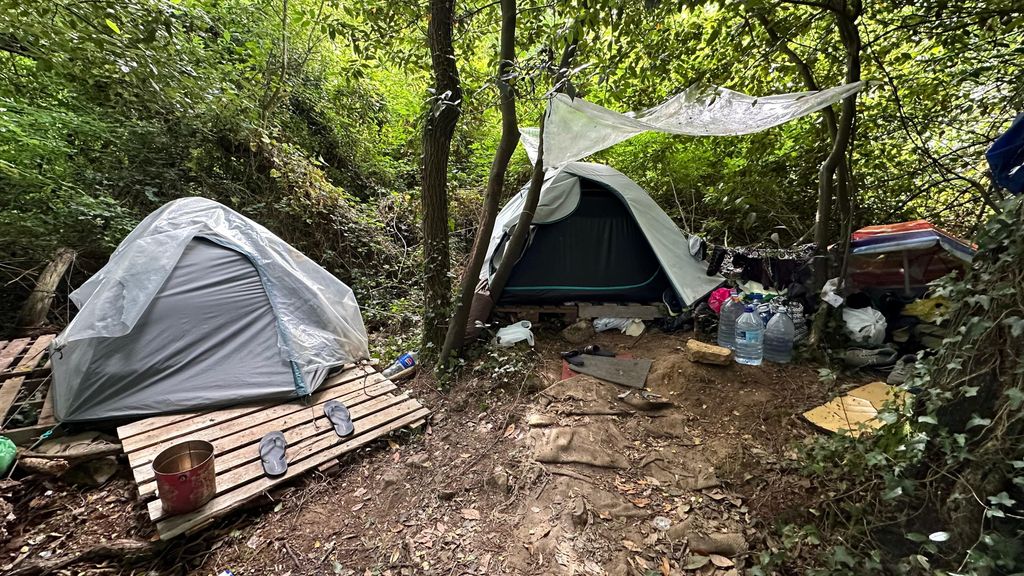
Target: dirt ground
[{"x": 544, "y": 477}]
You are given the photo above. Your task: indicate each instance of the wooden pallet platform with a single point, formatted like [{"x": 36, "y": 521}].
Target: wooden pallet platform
[
  {"x": 25, "y": 382},
  {"x": 586, "y": 310},
  {"x": 376, "y": 405}
]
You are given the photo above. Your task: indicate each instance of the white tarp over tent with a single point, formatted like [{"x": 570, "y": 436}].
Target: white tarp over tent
[{"x": 575, "y": 128}]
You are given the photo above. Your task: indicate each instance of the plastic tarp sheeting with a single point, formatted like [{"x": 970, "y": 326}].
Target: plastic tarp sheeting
[
  {"x": 559, "y": 197},
  {"x": 913, "y": 235},
  {"x": 575, "y": 128},
  {"x": 317, "y": 319},
  {"x": 905, "y": 254},
  {"x": 1006, "y": 157}
]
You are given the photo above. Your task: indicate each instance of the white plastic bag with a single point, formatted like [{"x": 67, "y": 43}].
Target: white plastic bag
[
  {"x": 513, "y": 333},
  {"x": 865, "y": 325},
  {"x": 630, "y": 326}
]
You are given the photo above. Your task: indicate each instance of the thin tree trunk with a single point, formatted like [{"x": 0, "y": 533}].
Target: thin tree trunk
[
  {"x": 517, "y": 241},
  {"x": 438, "y": 131},
  {"x": 33, "y": 314},
  {"x": 455, "y": 337},
  {"x": 846, "y": 20}
]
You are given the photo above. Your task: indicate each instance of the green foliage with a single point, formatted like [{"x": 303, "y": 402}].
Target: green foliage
[{"x": 941, "y": 487}]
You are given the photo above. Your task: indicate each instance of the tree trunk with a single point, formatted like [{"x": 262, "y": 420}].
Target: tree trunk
[
  {"x": 495, "y": 182},
  {"x": 517, "y": 241},
  {"x": 437, "y": 137},
  {"x": 846, "y": 19},
  {"x": 33, "y": 314}
]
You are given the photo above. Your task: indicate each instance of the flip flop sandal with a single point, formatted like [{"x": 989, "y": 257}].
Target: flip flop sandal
[
  {"x": 273, "y": 447},
  {"x": 340, "y": 417}
]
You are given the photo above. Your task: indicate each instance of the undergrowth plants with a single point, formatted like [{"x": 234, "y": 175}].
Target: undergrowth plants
[{"x": 940, "y": 488}]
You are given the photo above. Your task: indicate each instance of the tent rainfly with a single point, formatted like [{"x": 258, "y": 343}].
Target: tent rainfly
[
  {"x": 596, "y": 235},
  {"x": 201, "y": 307}
]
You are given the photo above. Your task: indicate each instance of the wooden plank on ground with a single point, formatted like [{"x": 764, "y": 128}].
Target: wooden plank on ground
[
  {"x": 46, "y": 412},
  {"x": 8, "y": 394},
  {"x": 243, "y": 464},
  {"x": 11, "y": 351},
  {"x": 296, "y": 426},
  {"x": 641, "y": 311},
  {"x": 219, "y": 505},
  {"x": 213, "y": 426},
  {"x": 128, "y": 432},
  {"x": 35, "y": 354}
]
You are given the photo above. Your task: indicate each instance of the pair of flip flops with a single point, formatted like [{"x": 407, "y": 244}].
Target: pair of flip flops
[{"x": 274, "y": 447}]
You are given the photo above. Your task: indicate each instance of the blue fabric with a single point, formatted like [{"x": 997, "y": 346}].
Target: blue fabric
[{"x": 1006, "y": 157}]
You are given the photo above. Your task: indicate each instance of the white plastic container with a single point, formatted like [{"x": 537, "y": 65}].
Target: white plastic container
[
  {"x": 749, "y": 338},
  {"x": 778, "y": 338},
  {"x": 731, "y": 310}
]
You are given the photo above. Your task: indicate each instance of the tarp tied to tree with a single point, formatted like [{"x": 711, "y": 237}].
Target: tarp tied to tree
[{"x": 577, "y": 128}]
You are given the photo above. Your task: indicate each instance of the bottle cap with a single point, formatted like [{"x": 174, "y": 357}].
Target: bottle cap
[{"x": 749, "y": 308}]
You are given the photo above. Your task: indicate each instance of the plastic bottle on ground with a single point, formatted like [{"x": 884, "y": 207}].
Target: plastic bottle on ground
[
  {"x": 749, "y": 338},
  {"x": 731, "y": 310},
  {"x": 404, "y": 362},
  {"x": 778, "y": 338}
]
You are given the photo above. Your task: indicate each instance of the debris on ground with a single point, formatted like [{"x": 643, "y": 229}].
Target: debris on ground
[{"x": 708, "y": 353}]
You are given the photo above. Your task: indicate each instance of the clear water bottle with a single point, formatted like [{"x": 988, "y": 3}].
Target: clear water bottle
[
  {"x": 404, "y": 362},
  {"x": 749, "y": 338},
  {"x": 779, "y": 337},
  {"x": 727, "y": 316}
]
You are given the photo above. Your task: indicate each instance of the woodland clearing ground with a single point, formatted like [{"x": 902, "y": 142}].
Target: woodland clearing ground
[{"x": 466, "y": 496}]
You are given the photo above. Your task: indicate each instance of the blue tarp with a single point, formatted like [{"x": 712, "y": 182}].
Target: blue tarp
[{"x": 1006, "y": 157}]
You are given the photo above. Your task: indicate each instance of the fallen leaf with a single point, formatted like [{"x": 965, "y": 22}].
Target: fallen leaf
[
  {"x": 640, "y": 502},
  {"x": 631, "y": 546},
  {"x": 357, "y": 506},
  {"x": 721, "y": 561},
  {"x": 470, "y": 514},
  {"x": 510, "y": 430},
  {"x": 392, "y": 444},
  {"x": 666, "y": 568},
  {"x": 695, "y": 562},
  {"x": 360, "y": 492}
]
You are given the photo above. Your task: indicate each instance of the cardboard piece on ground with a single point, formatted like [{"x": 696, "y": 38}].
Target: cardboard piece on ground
[
  {"x": 631, "y": 373},
  {"x": 855, "y": 412}
]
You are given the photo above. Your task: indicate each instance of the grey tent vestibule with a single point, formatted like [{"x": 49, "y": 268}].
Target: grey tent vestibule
[
  {"x": 596, "y": 236},
  {"x": 201, "y": 307}
]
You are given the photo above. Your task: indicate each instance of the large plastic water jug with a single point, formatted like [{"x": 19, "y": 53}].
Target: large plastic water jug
[
  {"x": 731, "y": 310},
  {"x": 749, "y": 338},
  {"x": 778, "y": 338}
]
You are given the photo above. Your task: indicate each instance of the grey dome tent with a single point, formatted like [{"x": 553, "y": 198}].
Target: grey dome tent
[
  {"x": 596, "y": 236},
  {"x": 201, "y": 307}
]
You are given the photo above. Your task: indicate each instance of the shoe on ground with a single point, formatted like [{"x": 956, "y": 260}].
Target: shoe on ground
[
  {"x": 902, "y": 370},
  {"x": 864, "y": 358}
]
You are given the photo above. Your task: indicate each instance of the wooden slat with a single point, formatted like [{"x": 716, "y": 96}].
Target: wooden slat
[
  {"x": 226, "y": 441},
  {"x": 221, "y": 423},
  {"x": 245, "y": 453},
  {"x": 8, "y": 394},
  {"x": 34, "y": 356},
  {"x": 127, "y": 432},
  {"x": 313, "y": 457},
  {"x": 46, "y": 412},
  {"x": 11, "y": 351},
  {"x": 641, "y": 311}
]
